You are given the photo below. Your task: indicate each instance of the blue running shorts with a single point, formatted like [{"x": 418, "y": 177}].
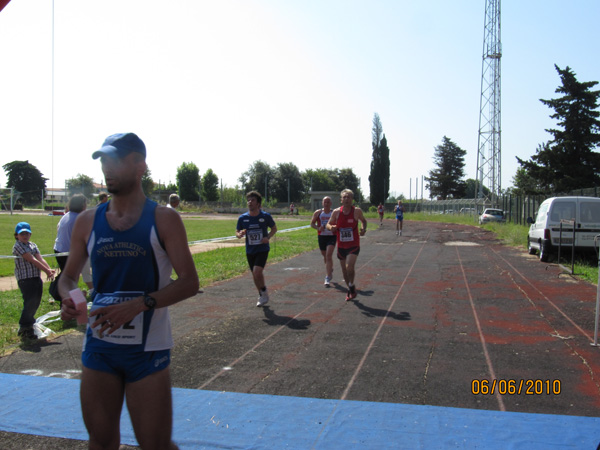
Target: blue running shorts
[{"x": 131, "y": 367}]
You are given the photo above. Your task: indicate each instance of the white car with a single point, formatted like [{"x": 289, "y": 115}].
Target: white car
[
  {"x": 545, "y": 231},
  {"x": 491, "y": 215}
]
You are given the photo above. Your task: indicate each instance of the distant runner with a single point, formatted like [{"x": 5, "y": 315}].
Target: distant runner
[
  {"x": 326, "y": 238},
  {"x": 399, "y": 210}
]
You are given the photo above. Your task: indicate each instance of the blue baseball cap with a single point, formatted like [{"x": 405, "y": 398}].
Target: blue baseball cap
[
  {"x": 120, "y": 145},
  {"x": 22, "y": 227}
]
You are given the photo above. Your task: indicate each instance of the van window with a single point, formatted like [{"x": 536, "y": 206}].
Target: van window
[
  {"x": 589, "y": 211},
  {"x": 541, "y": 215},
  {"x": 562, "y": 210}
]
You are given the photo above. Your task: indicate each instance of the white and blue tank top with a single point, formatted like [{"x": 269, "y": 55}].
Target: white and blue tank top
[{"x": 127, "y": 264}]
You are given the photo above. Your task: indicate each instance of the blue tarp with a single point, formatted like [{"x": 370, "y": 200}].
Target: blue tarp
[{"x": 208, "y": 420}]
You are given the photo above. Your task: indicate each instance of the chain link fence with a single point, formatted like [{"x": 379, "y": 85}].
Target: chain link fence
[{"x": 517, "y": 208}]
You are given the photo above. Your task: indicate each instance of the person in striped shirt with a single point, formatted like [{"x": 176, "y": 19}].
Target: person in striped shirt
[{"x": 29, "y": 263}]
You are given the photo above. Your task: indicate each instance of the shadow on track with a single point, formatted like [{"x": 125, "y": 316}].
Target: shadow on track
[
  {"x": 376, "y": 312},
  {"x": 275, "y": 320}
]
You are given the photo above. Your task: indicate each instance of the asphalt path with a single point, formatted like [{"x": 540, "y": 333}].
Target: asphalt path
[{"x": 444, "y": 315}]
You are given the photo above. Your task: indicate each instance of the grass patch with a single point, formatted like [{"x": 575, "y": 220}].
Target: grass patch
[
  {"x": 586, "y": 271},
  {"x": 11, "y": 304},
  {"x": 212, "y": 266},
  {"x": 509, "y": 233},
  {"x": 226, "y": 263},
  {"x": 44, "y": 233}
]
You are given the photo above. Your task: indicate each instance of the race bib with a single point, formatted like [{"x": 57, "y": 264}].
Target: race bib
[
  {"x": 346, "y": 234},
  {"x": 128, "y": 334},
  {"x": 324, "y": 222},
  {"x": 254, "y": 236}
]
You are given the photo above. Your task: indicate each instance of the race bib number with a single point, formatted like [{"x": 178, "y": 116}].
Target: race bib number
[
  {"x": 346, "y": 234},
  {"x": 129, "y": 333},
  {"x": 254, "y": 236}
]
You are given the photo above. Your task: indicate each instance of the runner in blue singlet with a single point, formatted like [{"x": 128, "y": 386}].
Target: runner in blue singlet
[
  {"x": 399, "y": 210},
  {"x": 133, "y": 245},
  {"x": 255, "y": 226}
]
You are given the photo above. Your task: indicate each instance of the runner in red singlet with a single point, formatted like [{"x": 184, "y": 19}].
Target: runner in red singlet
[
  {"x": 380, "y": 211},
  {"x": 344, "y": 221}
]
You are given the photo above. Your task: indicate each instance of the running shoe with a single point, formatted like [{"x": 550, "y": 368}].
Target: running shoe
[
  {"x": 348, "y": 295},
  {"x": 263, "y": 299},
  {"x": 27, "y": 334},
  {"x": 327, "y": 282},
  {"x": 352, "y": 291}
]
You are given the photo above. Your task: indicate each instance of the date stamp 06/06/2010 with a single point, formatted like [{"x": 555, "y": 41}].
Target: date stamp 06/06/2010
[{"x": 515, "y": 387}]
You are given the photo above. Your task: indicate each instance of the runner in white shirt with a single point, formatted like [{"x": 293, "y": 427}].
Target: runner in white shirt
[{"x": 326, "y": 238}]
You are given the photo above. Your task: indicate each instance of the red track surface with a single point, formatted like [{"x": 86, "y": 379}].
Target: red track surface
[
  {"x": 441, "y": 311},
  {"x": 438, "y": 308}
]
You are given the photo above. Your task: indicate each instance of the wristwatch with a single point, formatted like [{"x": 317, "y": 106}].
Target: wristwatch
[{"x": 149, "y": 302}]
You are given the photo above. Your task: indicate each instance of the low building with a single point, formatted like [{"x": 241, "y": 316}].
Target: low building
[
  {"x": 56, "y": 195},
  {"x": 316, "y": 199}
]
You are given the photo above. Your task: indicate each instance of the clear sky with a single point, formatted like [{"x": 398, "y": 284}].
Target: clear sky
[{"x": 225, "y": 83}]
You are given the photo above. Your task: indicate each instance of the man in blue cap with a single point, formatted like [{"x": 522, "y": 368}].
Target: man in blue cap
[{"x": 133, "y": 245}]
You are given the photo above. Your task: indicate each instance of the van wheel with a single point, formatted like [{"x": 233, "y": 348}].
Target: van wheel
[
  {"x": 530, "y": 249},
  {"x": 543, "y": 254}
]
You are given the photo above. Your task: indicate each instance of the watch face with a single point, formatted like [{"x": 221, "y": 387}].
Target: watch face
[{"x": 150, "y": 302}]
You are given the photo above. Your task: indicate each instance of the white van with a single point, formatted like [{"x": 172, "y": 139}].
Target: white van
[{"x": 544, "y": 233}]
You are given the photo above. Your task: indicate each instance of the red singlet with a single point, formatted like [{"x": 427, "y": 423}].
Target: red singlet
[{"x": 347, "y": 226}]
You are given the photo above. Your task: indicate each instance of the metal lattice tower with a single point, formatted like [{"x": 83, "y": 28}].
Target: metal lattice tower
[{"x": 488, "y": 144}]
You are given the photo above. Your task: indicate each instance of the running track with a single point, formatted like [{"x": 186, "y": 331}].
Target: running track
[{"x": 441, "y": 311}]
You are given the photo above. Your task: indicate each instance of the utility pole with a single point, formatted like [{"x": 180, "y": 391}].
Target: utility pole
[
  {"x": 416, "y": 193},
  {"x": 489, "y": 142}
]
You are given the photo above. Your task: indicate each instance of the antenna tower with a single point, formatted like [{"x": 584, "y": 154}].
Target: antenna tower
[{"x": 488, "y": 143}]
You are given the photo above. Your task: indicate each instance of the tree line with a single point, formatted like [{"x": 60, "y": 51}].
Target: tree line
[
  {"x": 566, "y": 162},
  {"x": 281, "y": 183}
]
